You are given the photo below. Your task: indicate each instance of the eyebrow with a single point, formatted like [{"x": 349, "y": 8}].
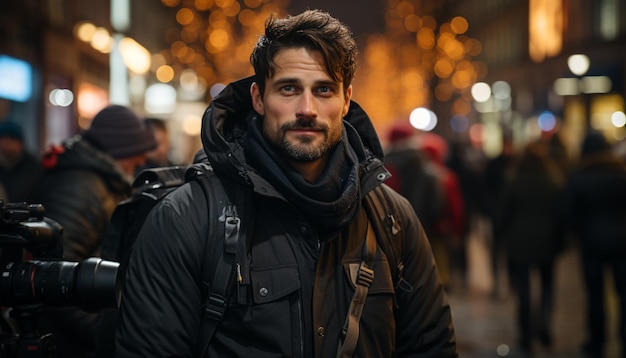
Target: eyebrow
[{"x": 290, "y": 80}]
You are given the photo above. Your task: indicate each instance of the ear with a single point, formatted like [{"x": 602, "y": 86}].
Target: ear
[
  {"x": 346, "y": 105},
  {"x": 257, "y": 101}
]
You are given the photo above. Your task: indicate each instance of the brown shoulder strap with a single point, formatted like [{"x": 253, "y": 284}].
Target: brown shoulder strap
[{"x": 364, "y": 279}]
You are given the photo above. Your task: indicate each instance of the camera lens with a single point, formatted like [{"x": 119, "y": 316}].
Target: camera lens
[{"x": 91, "y": 284}]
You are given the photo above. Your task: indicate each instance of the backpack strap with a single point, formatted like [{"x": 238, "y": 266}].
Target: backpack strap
[
  {"x": 365, "y": 277},
  {"x": 220, "y": 248},
  {"x": 382, "y": 210}
]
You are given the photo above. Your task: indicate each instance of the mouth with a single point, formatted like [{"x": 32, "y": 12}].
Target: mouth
[{"x": 304, "y": 131}]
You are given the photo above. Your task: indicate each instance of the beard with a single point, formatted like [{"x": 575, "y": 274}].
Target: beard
[{"x": 303, "y": 149}]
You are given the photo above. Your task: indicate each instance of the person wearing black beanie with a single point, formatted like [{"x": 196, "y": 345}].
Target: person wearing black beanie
[
  {"x": 84, "y": 178},
  {"x": 19, "y": 168}
]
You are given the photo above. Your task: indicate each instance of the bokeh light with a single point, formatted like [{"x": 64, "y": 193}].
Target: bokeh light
[
  {"x": 423, "y": 119},
  {"x": 546, "y": 121},
  {"x": 618, "y": 119},
  {"x": 578, "y": 64},
  {"x": 481, "y": 92}
]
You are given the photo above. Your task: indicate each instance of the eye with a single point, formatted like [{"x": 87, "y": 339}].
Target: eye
[
  {"x": 325, "y": 90},
  {"x": 288, "y": 88}
]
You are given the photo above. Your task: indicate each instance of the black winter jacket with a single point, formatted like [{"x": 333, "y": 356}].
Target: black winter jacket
[
  {"x": 596, "y": 209},
  {"x": 295, "y": 289}
]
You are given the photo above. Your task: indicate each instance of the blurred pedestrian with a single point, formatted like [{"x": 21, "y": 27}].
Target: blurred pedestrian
[
  {"x": 20, "y": 170},
  {"x": 496, "y": 170},
  {"x": 3, "y": 194},
  {"x": 159, "y": 156},
  {"x": 84, "y": 179},
  {"x": 448, "y": 231},
  {"x": 412, "y": 176},
  {"x": 529, "y": 222},
  {"x": 596, "y": 206}
]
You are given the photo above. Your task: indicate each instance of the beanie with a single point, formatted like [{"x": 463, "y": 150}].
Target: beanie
[
  {"x": 120, "y": 132},
  {"x": 401, "y": 131},
  {"x": 435, "y": 146},
  {"x": 11, "y": 130}
]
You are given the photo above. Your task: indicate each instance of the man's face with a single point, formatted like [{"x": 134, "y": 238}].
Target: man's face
[
  {"x": 11, "y": 151},
  {"x": 302, "y": 106},
  {"x": 159, "y": 154}
]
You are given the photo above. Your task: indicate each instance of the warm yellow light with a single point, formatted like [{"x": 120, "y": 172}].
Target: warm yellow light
[
  {"x": 101, "y": 40},
  {"x": 444, "y": 67},
  {"x": 545, "y": 29},
  {"x": 89, "y": 101},
  {"x": 252, "y": 3},
  {"x": 170, "y": 3},
  {"x": 203, "y": 5},
  {"x": 404, "y": 9},
  {"x": 472, "y": 47},
  {"x": 426, "y": 38},
  {"x": 461, "y": 78},
  {"x": 184, "y": 16},
  {"x": 412, "y": 23},
  {"x": 191, "y": 125},
  {"x": 233, "y": 9},
  {"x": 459, "y": 25},
  {"x": 224, "y": 3},
  {"x": 165, "y": 73},
  {"x": 135, "y": 56},
  {"x": 247, "y": 17},
  {"x": 219, "y": 39},
  {"x": 85, "y": 31}
]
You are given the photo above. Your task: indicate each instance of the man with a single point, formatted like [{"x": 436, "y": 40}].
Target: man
[
  {"x": 596, "y": 215},
  {"x": 159, "y": 156},
  {"x": 84, "y": 179},
  {"x": 413, "y": 176},
  {"x": 281, "y": 138},
  {"x": 19, "y": 169}
]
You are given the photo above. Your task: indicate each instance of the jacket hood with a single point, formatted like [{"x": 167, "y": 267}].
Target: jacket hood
[
  {"x": 77, "y": 153},
  {"x": 225, "y": 127}
]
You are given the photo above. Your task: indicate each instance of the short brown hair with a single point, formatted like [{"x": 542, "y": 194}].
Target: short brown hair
[{"x": 312, "y": 29}]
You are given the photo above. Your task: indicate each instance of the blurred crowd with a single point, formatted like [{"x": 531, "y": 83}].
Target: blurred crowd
[{"x": 537, "y": 200}]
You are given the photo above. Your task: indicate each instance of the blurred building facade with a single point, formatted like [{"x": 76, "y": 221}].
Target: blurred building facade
[
  {"x": 66, "y": 54},
  {"x": 527, "y": 45},
  {"x": 419, "y": 54}
]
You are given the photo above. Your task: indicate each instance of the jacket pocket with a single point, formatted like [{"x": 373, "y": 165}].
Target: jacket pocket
[{"x": 274, "y": 283}]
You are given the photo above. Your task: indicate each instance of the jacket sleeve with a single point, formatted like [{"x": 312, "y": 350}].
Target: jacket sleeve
[
  {"x": 82, "y": 204},
  {"x": 161, "y": 302},
  {"x": 424, "y": 319}
]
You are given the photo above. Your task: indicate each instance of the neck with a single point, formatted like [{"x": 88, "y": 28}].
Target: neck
[{"x": 310, "y": 171}]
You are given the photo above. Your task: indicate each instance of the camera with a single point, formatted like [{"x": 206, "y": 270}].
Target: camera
[{"x": 33, "y": 275}]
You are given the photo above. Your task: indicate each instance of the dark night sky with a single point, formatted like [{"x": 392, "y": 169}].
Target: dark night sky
[{"x": 363, "y": 16}]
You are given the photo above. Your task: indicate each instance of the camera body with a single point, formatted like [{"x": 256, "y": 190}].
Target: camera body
[{"x": 33, "y": 275}]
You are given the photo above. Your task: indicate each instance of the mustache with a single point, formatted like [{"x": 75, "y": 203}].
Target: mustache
[{"x": 304, "y": 123}]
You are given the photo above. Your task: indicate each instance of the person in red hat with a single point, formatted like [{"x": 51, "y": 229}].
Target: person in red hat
[
  {"x": 448, "y": 233},
  {"x": 412, "y": 176}
]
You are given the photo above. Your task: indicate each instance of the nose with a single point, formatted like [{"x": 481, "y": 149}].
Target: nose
[{"x": 306, "y": 106}]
